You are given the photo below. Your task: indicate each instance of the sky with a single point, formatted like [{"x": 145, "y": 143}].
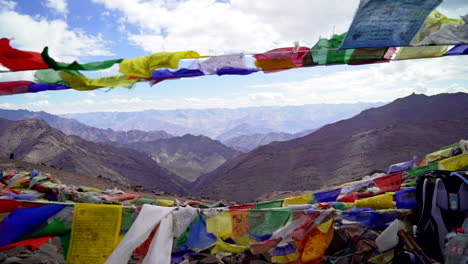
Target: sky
[{"x": 94, "y": 30}]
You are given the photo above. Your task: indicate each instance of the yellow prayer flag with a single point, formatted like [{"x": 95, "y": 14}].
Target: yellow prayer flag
[
  {"x": 220, "y": 225},
  {"x": 95, "y": 232},
  {"x": 324, "y": 227},
  {"x": 454, "y": 163},
  {"x": 303, "y": 199},
  {"x": 434, "y": 22},
  {"x": 18, "y": 182},
  {"x": 441, "y": 154},
  {"x": 383, "y": 201},
  {"x": 223, "y": 247},
  {"x": 142, "y": 66},
  {"x": 242, "y": 240},
  {"x": 83, "y": 83},
  {"x": 162, "y": 202}
]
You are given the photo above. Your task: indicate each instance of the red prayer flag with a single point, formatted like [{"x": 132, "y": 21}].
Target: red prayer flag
[
  {"x": 16, "y": 87},
  {"x": 8, "y": 205},
  {"x": 33, "y": 243},
  {"x": 389, "y": 183},
  {"x": 18, "y": 60}
]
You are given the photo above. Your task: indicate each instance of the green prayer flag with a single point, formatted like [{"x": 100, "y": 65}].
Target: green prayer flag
[
  {"x": 368, "y": 54},
  {"x": 270, "y": 204},
  {"x": 127, "y": 219},
  {"x": 65, "y": 242},
  {"x": 322, "y": 54},
  {"x": 264, "y": 222},
  {"x": 92, "y": 66},
  {"x": 36, "y": 180},
  {"x": 55, "y": 228},
  {"x": 142, "y": 201},
  {"x": 49, "y": 76},
  {"x": 420, "y": 170}
]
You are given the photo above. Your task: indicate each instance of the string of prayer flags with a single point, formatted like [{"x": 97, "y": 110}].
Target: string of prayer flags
[
  {"x": 18, "y": 60},
  {"x": 142, "y": 66},
  {"x": 387, "y": 23},
  {"x": 92, "y": 66}
]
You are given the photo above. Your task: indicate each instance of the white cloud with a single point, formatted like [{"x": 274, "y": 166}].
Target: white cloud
[
  {"x": 267, "y": 98},
  {"x": 59, "y": 6},
  {"x": 212, "y": 27},
  {"x": 36, "y": 95},
  {"x": 7, "y": 5},
  {"x": 34, "y": 33},
  {"x": 40, "y": 103}
]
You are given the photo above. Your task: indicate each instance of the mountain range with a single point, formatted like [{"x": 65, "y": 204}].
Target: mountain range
[
  {"x": 342, "y": 151},
  {"x": 246, "y": 143},
  {"x": 35, "y": 141},
  {"x": 224, "y": 123},
  {"x": 73, "y": 127},
  {"x": 187, "y": 156}
]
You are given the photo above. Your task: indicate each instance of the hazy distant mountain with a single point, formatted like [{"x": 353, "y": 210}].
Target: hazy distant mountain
[
  {"x": 188, "y": 156},
  {"x": 343, "y": 151},
  {"x": 73, "y": 127},
  {"x": 246, "y": 143},
  {"x": 243, "y": 130},
  {"x": 36, "y": 142},
  {"x": 216, "y": 122}
]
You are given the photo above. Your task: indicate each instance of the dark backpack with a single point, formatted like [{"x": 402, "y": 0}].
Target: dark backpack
[{"x": 442, "y": 206}]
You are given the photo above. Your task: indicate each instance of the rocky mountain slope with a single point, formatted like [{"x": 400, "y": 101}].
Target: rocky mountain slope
[
  {"x": 187, "y": 156},
  {"x": 218, "y": 121},
  {"x": 36, "y": 142},
  {"x": 344, "y": 150},
  {"x": 73, "y": 127},
  {"x": 246, "y": 143}
]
